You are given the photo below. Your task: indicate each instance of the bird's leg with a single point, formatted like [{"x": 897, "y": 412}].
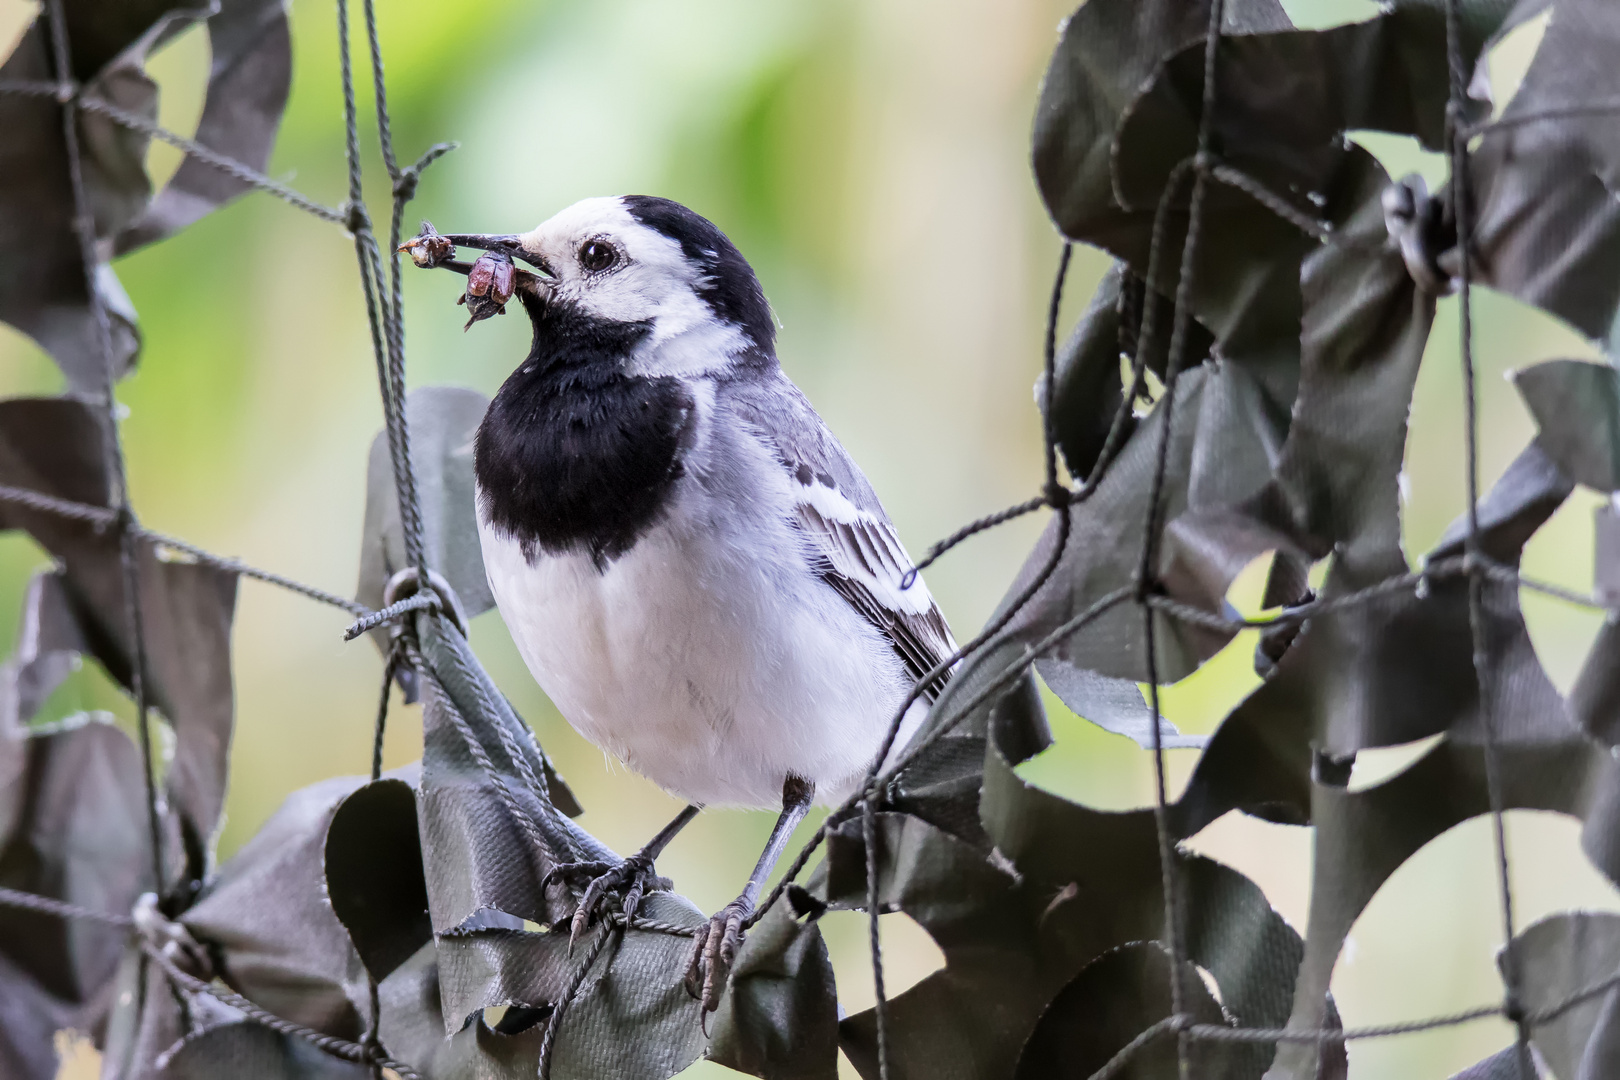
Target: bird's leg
[
  {"x": 716, "y": 943},
  {"x": 634, "y": 876}
]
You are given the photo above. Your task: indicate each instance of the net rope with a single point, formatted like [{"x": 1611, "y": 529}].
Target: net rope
[{"x": 1462, "y": 196}]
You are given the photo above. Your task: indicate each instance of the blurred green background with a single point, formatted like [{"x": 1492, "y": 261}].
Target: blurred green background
[{"x": 870, "y": 158}]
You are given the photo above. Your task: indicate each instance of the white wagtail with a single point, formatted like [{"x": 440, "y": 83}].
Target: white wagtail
[{"x": 694, "y": 569}]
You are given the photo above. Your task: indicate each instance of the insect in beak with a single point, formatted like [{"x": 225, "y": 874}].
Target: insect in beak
[
  {"x": 431, "y": 248},
  {"x": 492, "y": 280}
]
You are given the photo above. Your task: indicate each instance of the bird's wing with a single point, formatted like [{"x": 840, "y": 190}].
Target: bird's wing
[{"x": 854, "y": 544}]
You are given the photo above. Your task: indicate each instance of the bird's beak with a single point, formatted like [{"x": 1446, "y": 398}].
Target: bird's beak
[
  {"x": 509, "y": 244},
  {"x": 431, "y": 248},
  {"x": 492, "y": 280}
]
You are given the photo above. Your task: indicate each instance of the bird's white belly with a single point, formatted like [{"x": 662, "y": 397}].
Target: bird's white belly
[{"x": 702, "y": 665}]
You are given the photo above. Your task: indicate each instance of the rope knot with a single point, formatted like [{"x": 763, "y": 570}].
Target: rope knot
[
  {"x": 355, "y": 218},
  {"x": 1057, "y": 495},
  {"x": 408, "y": 583},
  {"x": 406, "y": 179},
  {"x": 1513, "y": 1008},
  {"x": 170, "y": 939},
  {"x": 1146, "y": 586},
  {"x": 122, "y": 520},
  {"x": 404, "y": 595}
]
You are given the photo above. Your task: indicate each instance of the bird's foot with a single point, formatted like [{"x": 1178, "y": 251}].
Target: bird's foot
[
  {"x": 629, "y": 881},
  {"x": 714, "y": 947}
]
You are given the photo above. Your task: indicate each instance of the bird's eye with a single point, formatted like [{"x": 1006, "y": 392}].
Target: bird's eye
[{"x": 597, "y": 255}]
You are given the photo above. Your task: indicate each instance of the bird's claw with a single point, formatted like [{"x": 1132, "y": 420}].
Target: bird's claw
[
  {"x": 630, "y": 880},
  {"x": 714, "y": 947}
]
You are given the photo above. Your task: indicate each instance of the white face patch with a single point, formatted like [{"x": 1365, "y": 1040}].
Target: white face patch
[{"x": 651, "y": 281}]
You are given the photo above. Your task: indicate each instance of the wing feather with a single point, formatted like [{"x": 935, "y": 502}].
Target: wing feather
[{"x": 856, "y": 548}]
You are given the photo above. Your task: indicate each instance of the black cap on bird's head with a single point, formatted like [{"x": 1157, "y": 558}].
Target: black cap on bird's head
[{"x": 635, "y": 259}]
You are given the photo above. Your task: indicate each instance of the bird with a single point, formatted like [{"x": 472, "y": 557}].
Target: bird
[{"x": 694, "y": 569}]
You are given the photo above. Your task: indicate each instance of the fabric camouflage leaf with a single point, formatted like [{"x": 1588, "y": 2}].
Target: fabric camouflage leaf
[
  {"x": 50, "y": 642},
  {"x": 1102, "y": 1008},
  {"x": 779, "y": 1017},
  {"x": 249, "y": 78},
  {"x": 250, "y": 1051},
  {"x": 1558, "y": 958},
  {"x": 374, "y": 878},
  {"x": 1502, "y": 1065},
  {"x": 489, "y": 836},
  {"x": 74, "y": 830},
  {"x": 1576, "y": 406},
  {"x": 267, "y": 917},
  {"x": 45, "y": 294},
  {"x": 1064, "y": 887},
  {"x": 55, "y": 446},
  {"x": 1544, "y": 176},
  {"x": 1114, "y": 705},
  {"x": 443, "y": 421}
]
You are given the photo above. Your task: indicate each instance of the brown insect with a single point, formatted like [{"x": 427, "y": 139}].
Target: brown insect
[
  {"x": 490, "y": 284},
  {"x": 492, "y": 278}
]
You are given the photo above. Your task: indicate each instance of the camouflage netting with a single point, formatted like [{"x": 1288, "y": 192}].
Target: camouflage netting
[{"x": 1281, "y": 289}]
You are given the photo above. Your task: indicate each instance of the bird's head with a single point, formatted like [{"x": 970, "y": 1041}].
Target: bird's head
[{"x": 636, "y": 264}]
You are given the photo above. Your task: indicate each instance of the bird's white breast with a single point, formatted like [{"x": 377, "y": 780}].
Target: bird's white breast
[{"x": 709, "y": 657}]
